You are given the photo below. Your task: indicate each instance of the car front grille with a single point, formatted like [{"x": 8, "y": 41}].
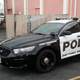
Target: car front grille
[{"x": 4, "y": 51}]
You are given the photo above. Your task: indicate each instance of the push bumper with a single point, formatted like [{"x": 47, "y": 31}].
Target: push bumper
[{"x": 18, "y": 61}]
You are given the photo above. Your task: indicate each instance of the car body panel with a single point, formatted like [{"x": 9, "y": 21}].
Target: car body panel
[{"x": 31, "y": 39}]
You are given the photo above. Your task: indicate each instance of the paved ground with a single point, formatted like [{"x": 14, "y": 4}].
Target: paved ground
[
  {"x": 67, "y": 69},
  {"x": 2, "y": 34},
  {"x": 64, "y": 71}
]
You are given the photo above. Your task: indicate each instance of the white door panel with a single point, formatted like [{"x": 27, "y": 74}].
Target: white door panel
[
  {"x": 78, "y": 48},
  {"x": 68, "y": 45}
]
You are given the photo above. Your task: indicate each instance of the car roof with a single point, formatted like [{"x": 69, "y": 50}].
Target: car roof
[{"x": 60, "y": 21}]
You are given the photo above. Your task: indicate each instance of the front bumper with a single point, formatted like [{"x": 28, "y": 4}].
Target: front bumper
[{"x": 18, "y": 61}]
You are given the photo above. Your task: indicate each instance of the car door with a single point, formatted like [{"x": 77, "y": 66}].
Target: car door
[
  {"x": 69, "y": 40},
  {"x": 78, "y": 37}
]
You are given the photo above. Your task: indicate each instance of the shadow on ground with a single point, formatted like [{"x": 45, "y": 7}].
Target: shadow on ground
[{"x": 64, "y": 70}]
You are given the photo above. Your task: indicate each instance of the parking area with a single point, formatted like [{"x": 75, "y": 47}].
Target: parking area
[{"x": 65, "y": 70}]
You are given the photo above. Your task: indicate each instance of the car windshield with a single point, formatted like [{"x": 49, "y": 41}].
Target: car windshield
[{"x": 48, "y": 28}]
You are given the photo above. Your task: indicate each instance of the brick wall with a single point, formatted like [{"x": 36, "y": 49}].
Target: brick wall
[{"x": 51, "y": 7}]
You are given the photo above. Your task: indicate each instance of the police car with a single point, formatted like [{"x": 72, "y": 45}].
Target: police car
[{"x": 47, "y": 44}]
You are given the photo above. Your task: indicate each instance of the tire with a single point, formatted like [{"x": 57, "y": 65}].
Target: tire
[
  {"x": 46, "y": 61},
  {"x": 3, "y": 62}
]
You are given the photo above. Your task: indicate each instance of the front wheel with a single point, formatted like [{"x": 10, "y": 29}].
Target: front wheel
[
  {"x": 4, "y": 63},
  {"x": 45, "y": 60}
]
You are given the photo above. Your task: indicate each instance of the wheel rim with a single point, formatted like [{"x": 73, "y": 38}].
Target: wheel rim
[{"x": 47, "y": 61}]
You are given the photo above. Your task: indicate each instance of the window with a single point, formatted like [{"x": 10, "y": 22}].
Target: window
[
  {"x": 75, "y": 28},
  {"x": 48, "y": 28},
  {"x": 72, "y": 27}
]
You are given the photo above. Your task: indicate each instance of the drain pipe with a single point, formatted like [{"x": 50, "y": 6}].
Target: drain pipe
[
  {"x": 65, "y": 6},
  {"x": 14, "y": 13},
  {"x": 26, "y": 2},
  {"x": 13, "y": 7},
  {"x": 75, "y": 8},
  {"x": 29, "y": 24}
]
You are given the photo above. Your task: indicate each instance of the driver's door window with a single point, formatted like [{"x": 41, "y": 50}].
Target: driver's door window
[{"x": 68, "y": 42}]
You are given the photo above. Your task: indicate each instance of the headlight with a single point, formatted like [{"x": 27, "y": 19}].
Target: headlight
[{"x": 28, "y": 49}]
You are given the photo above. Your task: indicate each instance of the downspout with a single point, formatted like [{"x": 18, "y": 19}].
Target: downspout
[
  {"x": 65, "y": 6},
  {"x": 14, "y": 13},
  {"x": 13, "y": 7},
  {"x": 41, "y": 7},
  {"x": 26, "y": 2},
  {"x": 26, "y": 13},
  {"x": 75, "y": 8}
]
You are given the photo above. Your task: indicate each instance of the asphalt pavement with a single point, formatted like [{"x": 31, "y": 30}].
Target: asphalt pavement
[
  {"x": 65, "y": 70},
  {"x": 2, "y": 34}
]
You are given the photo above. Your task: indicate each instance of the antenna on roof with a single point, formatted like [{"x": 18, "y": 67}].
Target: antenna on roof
[
  {"x": 58, "y": 18},
  {"x": 75, "y": 18}
]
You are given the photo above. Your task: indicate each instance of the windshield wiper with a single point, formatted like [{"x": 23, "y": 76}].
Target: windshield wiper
[{"x": 40, "y": 33}]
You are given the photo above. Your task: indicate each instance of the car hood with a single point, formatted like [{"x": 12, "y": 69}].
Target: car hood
[{"x": 26, "y": 40}]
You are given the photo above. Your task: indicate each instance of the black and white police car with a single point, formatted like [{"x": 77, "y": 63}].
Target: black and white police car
[{"x": 48, "y": 43}]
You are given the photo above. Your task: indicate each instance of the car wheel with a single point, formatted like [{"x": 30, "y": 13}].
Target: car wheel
[
  {"x": 3, "y": 62},
  {"x": 45, "y": 61}
]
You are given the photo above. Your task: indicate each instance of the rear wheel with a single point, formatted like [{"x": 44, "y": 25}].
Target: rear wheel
[{"x": 45, "y": 60}]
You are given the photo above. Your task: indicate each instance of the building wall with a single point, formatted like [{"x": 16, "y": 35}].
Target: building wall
[
  {"x": 71, "y": 7},
  {"x": 19, "y": 6},
  {"x": 78, "y": 8},
  {"x": 50, "y": 7},
  {"x": 53, "y": 7},
  {"x": 34, "y": 7},
  {"x": 8, "y": 6}
]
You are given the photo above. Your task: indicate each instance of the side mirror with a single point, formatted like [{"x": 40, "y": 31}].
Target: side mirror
[
  {"x": 53, "y": 34},
  {"x": 66, "y": 33}
]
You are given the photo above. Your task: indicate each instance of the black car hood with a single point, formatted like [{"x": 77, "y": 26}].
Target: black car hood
[{"x": 26, "y": 40}]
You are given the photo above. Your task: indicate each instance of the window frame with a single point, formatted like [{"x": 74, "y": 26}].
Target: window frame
[{"x": 67, "y": 25}]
